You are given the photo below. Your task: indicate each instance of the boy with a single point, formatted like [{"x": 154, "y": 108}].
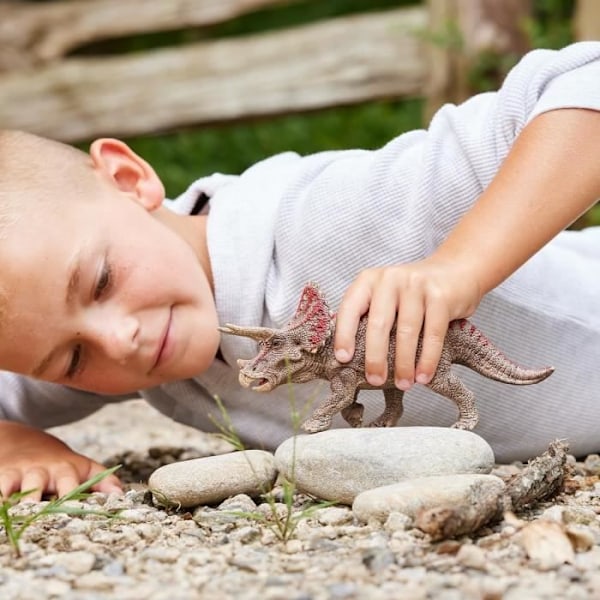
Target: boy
[{"x": 106, "y": 291}]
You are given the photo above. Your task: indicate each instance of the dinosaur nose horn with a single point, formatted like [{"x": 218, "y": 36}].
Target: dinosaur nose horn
[{"x": 256, "y": 333}]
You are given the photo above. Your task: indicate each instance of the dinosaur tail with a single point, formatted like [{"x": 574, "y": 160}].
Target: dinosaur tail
[{"x": 472, "y": 349}]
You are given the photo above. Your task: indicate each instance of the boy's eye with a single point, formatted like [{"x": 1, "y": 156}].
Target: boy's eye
[
  {"x": 103, "y": 282},
  {"x": 75, "y": 363}
]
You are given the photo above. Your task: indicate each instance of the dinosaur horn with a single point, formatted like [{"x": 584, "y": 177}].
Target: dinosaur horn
[{"x": 255, "y": 333}]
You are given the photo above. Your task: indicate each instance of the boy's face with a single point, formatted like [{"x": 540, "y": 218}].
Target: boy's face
[{"x": 104, "y": 295}]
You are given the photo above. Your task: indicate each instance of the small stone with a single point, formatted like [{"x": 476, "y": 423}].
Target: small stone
[
  {"x": 471, "y": 556},
  {"x": 293, "y": 546},
  {"x": 338, "y": 464},
  {"x": 591, "y": 464},
  {"x": 580, "y": 515},
  {"x": 397, "y": 521},
  {"x": 56, "y": 588},
  {"x": 273, "y": 511},
  {"x": 582, "y": 539},
  {"x": 213, "y": 479},
  {"x": 135, "y": 515},
  {"x": 114, "y": 568},
  {"x": 245, "y": 535},
  {"x": 448, "y": 547},
  {"x": 410, "y": 497},
  {"x": 239, "y": 503},
  {"x": 95, "y": 580},
  {"x": 342, "y": 590},
  {"x": 334, "y": 515},
  {"x": 554, "y": 513},
  {"x": 378, "y": 559},
  {"x": 163, "y": 555},
  {"x": 77, "y": 563},
  {"x": 547, "y": 544}
]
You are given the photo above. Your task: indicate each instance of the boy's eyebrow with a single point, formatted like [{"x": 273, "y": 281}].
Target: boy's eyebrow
[
  {"x": 72, "y": 289},
  {"x": 74, "y": 279},
  {"x": 43, "y": 365}
]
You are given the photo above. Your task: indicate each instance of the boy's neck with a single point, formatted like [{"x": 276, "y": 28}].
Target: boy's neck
[{"x": 192, "y": 229}]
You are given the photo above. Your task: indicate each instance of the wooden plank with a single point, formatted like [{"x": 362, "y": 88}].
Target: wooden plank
[
  {"x": 341, "y": 61},
  {"x": 586, "y": 23},
  {"x": 33, "y": 33},
  {"x": 461, "y": 31}
]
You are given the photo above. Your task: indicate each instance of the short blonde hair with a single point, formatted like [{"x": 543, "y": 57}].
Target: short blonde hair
[
  {"x": 33, "y": 170},
  {"x": 39, "y": 168}
]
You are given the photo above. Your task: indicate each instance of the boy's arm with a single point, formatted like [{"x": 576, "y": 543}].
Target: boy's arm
[
  {"x": 33, "y": 459},
  {"x": 548, "y": 179}
]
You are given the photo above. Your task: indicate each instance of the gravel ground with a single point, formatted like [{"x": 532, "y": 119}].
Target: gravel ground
[{"x": 152, "y": 553}]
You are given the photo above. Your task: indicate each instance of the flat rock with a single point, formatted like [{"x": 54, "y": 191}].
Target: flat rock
[
  {"x": 410, "y": 496},
  {"x": 212, "y": 479},
  {"x": 339, "y": 464}
]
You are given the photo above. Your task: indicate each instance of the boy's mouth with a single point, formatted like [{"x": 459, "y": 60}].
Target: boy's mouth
[{"x": 162, "y": 344}]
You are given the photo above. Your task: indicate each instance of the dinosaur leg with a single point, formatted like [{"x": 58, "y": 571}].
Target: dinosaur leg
[
  {"x": 393, "y": 409},
  {"x": 450, "y": 386},
  {"x": 353, "y": 414},
  {"x": 343, "y": 393}
]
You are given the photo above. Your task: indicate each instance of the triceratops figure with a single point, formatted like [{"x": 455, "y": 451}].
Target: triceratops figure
[{"x": 303, "y": 350}]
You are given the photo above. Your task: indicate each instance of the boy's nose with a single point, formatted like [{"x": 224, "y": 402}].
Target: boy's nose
[{"x": 118, "y": 337}]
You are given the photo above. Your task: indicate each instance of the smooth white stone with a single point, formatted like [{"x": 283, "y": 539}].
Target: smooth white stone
[
  {"x": 410, "y": 496},
  {"x": 339, "y": 464},
  {"x": 212, "y": 479}
]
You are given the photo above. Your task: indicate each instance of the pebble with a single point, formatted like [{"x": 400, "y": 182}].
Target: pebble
[
  {"x": 212, "y": 479},
  {"x": 411, "y": 496},
  {"x": 334, "y": 515},
  {"x": 591, "y": 464},
  {"x": 76, "y": 563},
  {"x": 339, "y": 464},
  {"x": 471, "y": 556}
]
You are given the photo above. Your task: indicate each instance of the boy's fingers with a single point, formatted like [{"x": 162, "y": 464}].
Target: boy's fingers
[
  {"x": 434, "y": 334},
  {"x": 408, "y": 328},
  {"x": 382, "y": 313},
  {"x": 35, "y": 479},
  {"x": 10, "y": 482},
  {"x": 109, "y": 484},
  {"x": 65, "y": 479},
  {"x": 354, "y": 305}
]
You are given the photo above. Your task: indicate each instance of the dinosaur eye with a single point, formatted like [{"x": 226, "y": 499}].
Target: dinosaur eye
[{"x": 276, "y": 343}]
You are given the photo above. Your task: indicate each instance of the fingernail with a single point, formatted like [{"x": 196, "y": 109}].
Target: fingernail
[
  {"x": 342, "y": 355},
  {"x": 403, "y": 384},
  {"x": 375, "y": 379},
  {"x": 423, "y": 378}
]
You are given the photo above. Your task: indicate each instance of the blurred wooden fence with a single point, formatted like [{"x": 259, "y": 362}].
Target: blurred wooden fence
[{"x": 45, "y": 88}]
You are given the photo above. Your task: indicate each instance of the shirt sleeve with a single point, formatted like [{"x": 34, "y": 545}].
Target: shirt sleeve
[
  {"x": 576, "y": 87},
  {"x": 43, "y": 404}
]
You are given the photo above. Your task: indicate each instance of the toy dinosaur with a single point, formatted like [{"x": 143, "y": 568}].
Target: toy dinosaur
[{"x": 303, "y": 350}]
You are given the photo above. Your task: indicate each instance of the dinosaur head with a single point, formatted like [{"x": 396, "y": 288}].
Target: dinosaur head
[{"x": 287, "y": 354}]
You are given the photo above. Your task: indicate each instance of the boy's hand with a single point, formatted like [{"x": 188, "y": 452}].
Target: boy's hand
[
  {"x": 425, "y": 295},
  {"x": 33, "y": 459}
]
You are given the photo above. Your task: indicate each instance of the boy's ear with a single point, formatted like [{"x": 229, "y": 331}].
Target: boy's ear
[{"x": 129, "y": 172}]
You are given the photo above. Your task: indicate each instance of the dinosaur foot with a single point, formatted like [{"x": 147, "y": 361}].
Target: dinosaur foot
[
  {"x": 353, "y": 414},
  {"x": 465, "y": 424},
  {"x": 381, "y": 422},
  {"x": 315, "y": 424}
]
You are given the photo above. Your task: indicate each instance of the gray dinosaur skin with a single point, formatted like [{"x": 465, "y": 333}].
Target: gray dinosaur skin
[{"x": 302, "y": 350}]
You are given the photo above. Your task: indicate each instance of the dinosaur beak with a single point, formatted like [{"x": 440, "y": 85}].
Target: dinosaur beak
[{"x": 255, "y": 333}]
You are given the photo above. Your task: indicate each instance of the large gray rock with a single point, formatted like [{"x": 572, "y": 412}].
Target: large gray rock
[
  {"x": 410, "y": 496},
  {"x": 212, "y": 479},
  {"x": 339, "y": 464}
]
